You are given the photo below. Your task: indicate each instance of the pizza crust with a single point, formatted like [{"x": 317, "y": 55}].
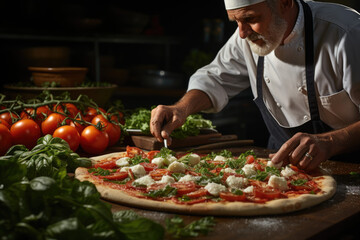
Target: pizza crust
[
  {"x": 278, "y": 206},
  {"x": 106, "y": 157}
]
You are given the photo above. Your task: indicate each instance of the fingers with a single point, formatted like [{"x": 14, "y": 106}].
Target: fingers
[
  {"x": 156, "y": 122},
  {"x": 286, "y": 149},
  {"x": 164, "y": 119},
  {"x": 308, "y": 157},
  {"x": 302, "y": 150}
]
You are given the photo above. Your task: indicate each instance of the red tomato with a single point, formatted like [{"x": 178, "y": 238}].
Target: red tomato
[
  {"x": 118, "y": 117},
  {"x": 228, "y": 196},
  {"x": 250, "y": 159},
  {"x": 113, "y": 130},
  {"x": 152, "y": 154},
  {"x": 5, "y": 123},
  {"x": 116, "y": 176},
  {"x": 79, "y": 127},
  {"x": 5, "y": 139},
  {"x": 159, "y": 173},
  {"x": 308, "y": 186},
  {"x": 149, "y": 166},
  {"x": 90, "y": 113},
  {"x": 51, "y": 123},
  {"x": 100, "y": 118},
  {"x": 68, "y": 108},
  {"x": 6, "y": 116},
  {"x": 267, "y": 193},
  {"x": 198, "y": 193},
  {"x": 106, "y": 165},
  {"x": 70, "y": 135},
  {"x": 41, "y": 113},
  {"x": 134, "y": 151},
  {"x": 156, "y": 186},
  {"x": 26, "y": 132},
  {"x": 184, "y": 187},
  {"x": 93, "y": 140},
  {"x": 140, "y": 188}
]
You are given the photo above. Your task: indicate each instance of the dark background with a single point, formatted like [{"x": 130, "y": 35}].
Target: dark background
[{"x": 176, "y": 36}]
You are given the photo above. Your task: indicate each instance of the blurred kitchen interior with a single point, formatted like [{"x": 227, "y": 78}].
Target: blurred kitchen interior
[{"x": 147, "y": 48}]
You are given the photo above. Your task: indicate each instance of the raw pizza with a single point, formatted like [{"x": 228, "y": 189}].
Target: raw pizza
[{"x": 213, "y": 184}]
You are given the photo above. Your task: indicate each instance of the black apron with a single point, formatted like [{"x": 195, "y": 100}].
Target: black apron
[{"x": 278, "y": 134}]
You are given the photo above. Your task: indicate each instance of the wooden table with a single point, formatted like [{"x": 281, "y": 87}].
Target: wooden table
[{"x": 336, "y": 218}]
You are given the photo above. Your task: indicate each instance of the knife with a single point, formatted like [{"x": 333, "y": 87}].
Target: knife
[{"x": 165, "y": 143}]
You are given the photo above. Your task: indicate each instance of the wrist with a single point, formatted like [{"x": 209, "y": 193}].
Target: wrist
[{"x": 339, "y": 142}]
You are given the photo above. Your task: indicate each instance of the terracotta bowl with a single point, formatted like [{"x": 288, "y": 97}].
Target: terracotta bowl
[{"x": 64, "y": 76}]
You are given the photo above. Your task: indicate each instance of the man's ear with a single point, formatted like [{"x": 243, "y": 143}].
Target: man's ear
[{"x": 286, "y": 5}]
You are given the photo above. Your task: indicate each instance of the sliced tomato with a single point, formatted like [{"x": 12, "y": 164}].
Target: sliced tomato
[
  {"x": 131, "y": 174},
  {"x": 296, "y": 169},
  {"x": 190, "y": 202},
  {"x": 184, "y": 187},
  {"x": 267, "y": 193},
  {"x": 130, "y": 186},
  {"x": 216, "y": 170},
  {"x": 254, "y": 199},
  {"x": 198, "y": 193},
  {"x": 149, "y": 166},
  {"x": 298, "y": 176},
  {"x": 156, "y": 186},
  {"x": 301, "y": 187},
  {"x": 134, "y": 151},
  {"x": 250, "y": 159},
  {"x": 152, "y": 154},
  {"x": 116, "y": 176},
  {"x": 228, "y": 196},
  {"x": 309, "y": 186},
  {"x": 159, "y": 173},
  {"x": 187, "y": 171},
  {"x": 259, "y": 166},
  {"x": 106, "y": 165}
]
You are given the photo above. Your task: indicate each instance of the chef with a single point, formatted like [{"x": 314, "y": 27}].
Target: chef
[{"x": 302, "y": 62}]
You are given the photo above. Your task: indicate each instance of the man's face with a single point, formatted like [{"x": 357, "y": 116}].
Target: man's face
[{"x": 263, "y": 28}]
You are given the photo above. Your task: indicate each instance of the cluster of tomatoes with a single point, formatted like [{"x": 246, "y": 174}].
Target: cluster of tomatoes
[{"x": 93, "y": 129}]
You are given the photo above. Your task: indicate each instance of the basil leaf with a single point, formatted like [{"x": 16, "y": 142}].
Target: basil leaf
[
  {"x": 99, "y": 171},
  {"x": 176, "y": 227},
  {"x": 299, "y": 182},
  {"x": 237, "y": 191},
  {"x": 168, "y": 191}
]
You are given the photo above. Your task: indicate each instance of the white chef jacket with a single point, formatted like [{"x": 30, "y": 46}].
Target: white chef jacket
[{"x": 337, "y": 70}]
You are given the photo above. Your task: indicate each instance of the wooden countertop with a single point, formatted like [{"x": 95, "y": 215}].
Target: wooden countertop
[{"x": 331, "y": 219}]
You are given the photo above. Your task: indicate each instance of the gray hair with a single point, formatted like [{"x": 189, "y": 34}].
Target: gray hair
[{"x": 272, "y": 4}]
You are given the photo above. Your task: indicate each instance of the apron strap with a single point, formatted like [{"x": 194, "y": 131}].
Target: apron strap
[
  {"x": 309, "y": 62},
  {"x": 318, "y": 125}
]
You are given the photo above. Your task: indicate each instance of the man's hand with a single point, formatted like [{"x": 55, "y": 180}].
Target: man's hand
[
  {"x": 164, "y": 119},
  {"x": 305, "y": 151}
]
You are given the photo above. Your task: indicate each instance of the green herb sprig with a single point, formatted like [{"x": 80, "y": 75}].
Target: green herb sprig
[{"x": 176, "y": 227}]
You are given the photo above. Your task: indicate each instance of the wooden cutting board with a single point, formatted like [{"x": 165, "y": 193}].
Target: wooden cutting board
[{"x": 150, "y": 143}]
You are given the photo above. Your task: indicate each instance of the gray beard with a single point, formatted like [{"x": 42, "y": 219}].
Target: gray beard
[{"x": 276, "y": 29}]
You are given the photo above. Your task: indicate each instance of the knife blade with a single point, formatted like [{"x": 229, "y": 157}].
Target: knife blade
[{"x": 165, "y": 143}]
